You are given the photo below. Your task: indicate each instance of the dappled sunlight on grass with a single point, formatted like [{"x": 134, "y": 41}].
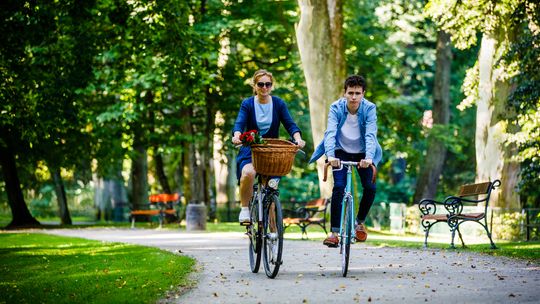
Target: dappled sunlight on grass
[{"x": 43, "y": 268}]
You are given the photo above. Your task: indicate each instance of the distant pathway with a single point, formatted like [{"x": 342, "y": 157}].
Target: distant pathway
[{"x": 311, "y": 273}]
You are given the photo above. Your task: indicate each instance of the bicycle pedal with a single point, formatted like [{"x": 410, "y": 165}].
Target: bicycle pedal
[{"x": 245, "y": 224}]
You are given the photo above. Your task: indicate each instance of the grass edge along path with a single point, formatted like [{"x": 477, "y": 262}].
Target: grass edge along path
[
  {"x": 528, "y": 251},
  {"x": 40, "y": 268}
]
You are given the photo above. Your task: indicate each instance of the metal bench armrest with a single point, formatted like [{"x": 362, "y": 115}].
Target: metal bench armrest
[{"x": 428, "y": 206}]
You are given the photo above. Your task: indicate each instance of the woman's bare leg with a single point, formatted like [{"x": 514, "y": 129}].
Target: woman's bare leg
[{"x": 246, "y": 184}]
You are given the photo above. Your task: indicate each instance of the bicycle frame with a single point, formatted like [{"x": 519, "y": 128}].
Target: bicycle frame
[
  {"x": 263, "y": 191},
  {"x": 348, "y": 194}
]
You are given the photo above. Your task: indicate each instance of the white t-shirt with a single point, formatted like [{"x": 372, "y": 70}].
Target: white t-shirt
[
  {"x": 349, "y": 137},
  {"x": 263, "y": 114}
]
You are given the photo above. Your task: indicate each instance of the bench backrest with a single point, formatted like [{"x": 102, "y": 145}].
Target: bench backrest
[
  {"x": 474, "y": 189},
  {"x": 319, "y": 203},
  {"x": 480, "y": 189},
  {"x": 164, "y": 198}
]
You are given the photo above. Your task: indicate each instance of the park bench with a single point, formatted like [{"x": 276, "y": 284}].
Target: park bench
[
  {"x": 310, "y": 213},
  {"x": 160, "y": 205},
  {"x": 452, "y": 214},
  {"x": 532, "y": 222}
]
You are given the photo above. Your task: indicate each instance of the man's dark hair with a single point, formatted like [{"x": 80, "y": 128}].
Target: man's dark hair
[{"x": 355, "y": 81}]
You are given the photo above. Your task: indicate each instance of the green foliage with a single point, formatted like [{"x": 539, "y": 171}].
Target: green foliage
[
  {"x": 522, "y": 57},
  {"x": 41, "y": 206},
  {"x": 299, "y": 186},
  {"x": 401, "y": 192},
  {"x": 52, "y": 269},
  {"x": 464, "y": 19}
]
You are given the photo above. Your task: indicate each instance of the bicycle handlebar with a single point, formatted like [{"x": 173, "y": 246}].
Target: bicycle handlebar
[{"x": 349, "y": 163}]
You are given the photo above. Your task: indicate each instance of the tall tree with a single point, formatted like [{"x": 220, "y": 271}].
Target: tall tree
[
  {"x": 319, "y": 35},
  {"x": 48, "y": 58},
  {"x": 462, "y": 19},
  {"x": 431, "y": 169},
  {"x": 525, "y": 99}
]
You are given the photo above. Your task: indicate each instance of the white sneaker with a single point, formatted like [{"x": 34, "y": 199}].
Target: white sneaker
[{"x": 244, "y": 216}]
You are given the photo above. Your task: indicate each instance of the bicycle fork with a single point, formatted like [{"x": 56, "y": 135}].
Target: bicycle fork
[{"x": 347, "y": 197}]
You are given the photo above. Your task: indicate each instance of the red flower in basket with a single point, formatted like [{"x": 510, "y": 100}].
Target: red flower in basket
[{"x": 251, "y": 137}]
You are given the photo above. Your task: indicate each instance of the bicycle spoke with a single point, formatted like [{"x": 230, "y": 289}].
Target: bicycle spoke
[
  {"x": 345, "y": 240},
  {"x": 254, "y": 234},
  {"x": 273, "y": 236}
]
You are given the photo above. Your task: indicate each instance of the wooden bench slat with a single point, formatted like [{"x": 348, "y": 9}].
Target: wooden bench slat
[
  {"x": 435, "y": 217},
  {"x": 471, "y": 215},
  {"x": 474, "y": 189},
  {"x": 290, "y": 220},
  {"x": 145, "y": 212}
]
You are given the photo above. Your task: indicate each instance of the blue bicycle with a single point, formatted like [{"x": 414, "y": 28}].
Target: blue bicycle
[{"x": 347, "y": 222}]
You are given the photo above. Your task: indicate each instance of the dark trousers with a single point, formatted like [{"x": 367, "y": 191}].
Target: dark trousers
[{"x": 340, "y": 181}]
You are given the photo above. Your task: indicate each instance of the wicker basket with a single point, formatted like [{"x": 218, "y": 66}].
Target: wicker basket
[{"x": 275, "y": 158}]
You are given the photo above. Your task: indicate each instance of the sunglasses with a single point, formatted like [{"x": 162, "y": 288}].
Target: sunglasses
[{"x": 262, "y": 84}]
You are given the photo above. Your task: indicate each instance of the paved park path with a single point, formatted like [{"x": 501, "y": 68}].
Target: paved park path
[{"x": 311, "y": 272}]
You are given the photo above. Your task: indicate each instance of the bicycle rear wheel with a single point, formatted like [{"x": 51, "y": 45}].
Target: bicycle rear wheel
[
  {"x": 254, "y": 233},
  {"x": 272, "y": 236},
  {"x": 345, "y": 238}
]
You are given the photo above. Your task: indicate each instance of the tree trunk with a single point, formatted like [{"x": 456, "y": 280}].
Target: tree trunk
[
  {"x": 185, "y": 171},
  {"x": 21, "y": 217},
  {"x": 493, "y": 155},
  {"x": 160, "y": 171},
  {"x": 208, "y": 149},
  {"x": 320, "y": 42},
  {"x": 139, "y": 175},
  {"x": 426, "y": 186},
  {"x": 60, "y": 191}
]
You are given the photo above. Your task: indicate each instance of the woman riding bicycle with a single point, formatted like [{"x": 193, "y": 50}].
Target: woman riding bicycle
[
  {"x": 351, "y": 135},
  {"x": 264, "y": 113}
]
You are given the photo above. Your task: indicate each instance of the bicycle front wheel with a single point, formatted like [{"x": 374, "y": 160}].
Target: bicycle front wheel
[
  {"x": 272, "y": 236},
  {"x": 346, "y": 233},
  {"x": 254, "y": 233}
]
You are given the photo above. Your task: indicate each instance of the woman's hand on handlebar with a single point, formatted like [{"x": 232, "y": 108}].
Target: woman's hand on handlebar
[
  {"x": 236, "y": 138},
  {"x": 300, "y": 143},
  {"x": 297, "y": 139}
]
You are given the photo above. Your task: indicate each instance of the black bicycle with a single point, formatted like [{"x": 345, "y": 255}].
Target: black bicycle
[{"x": 266, "y": 228}]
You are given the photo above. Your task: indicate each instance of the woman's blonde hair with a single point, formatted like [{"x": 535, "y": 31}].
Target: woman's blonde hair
[{"x": 258, "y": 74}]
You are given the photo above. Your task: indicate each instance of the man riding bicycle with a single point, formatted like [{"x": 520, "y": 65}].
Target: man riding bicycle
[{"x": 351, "y": 135}]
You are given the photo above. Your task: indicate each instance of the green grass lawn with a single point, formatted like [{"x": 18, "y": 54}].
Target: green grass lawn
[{"x": 39, "y": 268}]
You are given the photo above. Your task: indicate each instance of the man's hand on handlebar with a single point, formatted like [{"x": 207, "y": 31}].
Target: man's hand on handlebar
[
  {"x": 334, "y": 162},
  {"x": 364, "y": 163}
]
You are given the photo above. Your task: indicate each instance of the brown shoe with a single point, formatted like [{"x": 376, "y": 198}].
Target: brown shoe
[
  {"x": 331, "y": 241},
  {"x": 361, "y": 233}
]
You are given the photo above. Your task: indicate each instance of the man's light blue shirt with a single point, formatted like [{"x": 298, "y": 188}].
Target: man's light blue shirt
[{"x": 367, "y": 121}]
